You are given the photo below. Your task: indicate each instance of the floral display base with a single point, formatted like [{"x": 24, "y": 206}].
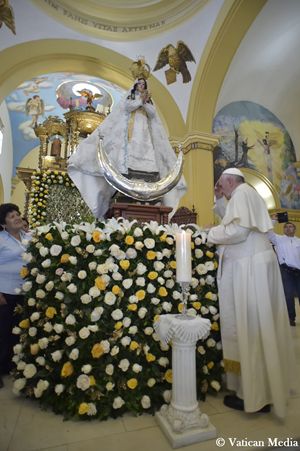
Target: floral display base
[{"x": 172, "y": 425}]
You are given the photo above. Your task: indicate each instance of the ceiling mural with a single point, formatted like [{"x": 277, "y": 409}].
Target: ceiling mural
[
  {"x": 53, "y": 94},
  {"x": 253, "y": 137}
]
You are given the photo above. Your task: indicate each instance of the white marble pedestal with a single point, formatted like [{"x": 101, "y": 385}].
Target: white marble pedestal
[{"x": 182, "y": 421}]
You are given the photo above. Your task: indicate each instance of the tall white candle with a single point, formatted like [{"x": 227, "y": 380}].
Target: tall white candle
[{"x": 183, "y": 256}]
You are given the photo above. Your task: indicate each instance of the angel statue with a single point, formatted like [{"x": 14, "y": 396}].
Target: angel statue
[
  {"x": 34, "y": 107},
  {"x": 133, "y": 139},
  {"x": 89, "y": 98},
  {"x": 176, "y": 58}
]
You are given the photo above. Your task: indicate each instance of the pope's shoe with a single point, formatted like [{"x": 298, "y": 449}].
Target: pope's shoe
[{"x": 236, "y": 403}]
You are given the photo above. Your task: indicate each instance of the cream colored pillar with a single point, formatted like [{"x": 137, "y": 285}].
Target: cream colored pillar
[{"x": 198, "y": 171}]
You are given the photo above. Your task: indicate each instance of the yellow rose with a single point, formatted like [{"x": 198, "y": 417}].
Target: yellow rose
[
  {"x": 152, "y": 275},
  {"x": 124, "y": 264},
  {"x": 140, "y": 294},
  {"x": 34, "y": 349},
  {"x": 116, "y": 289},
  {"x": 162, "y": 292},
  {"x": 214, "y": 326},
  {"x": 192, "y": 245},
  {"x": 156, "y": 318},
  {"x": 64, "y": 258},
  {"x": 133, "y": 345},
  {"x": 216, "y": 264},
  {"x": 210, "y": 365},
  {"x": 209, "y": 295},
  {"x": 24, "y": 272},
  {"x": 150, "y": 357},
  {"x": 129, "y": 240},
  {"x": 132, "y": 307},
  {"x": 97, "y": 351},
  {"x": 49, "y": 236},
  {"x": 173, "y": 264},
  {"x": 83, "y": 408},
  {"x": 50, "y": 312},
  {"x": 132, "y": 383},
  {"x": 197, "y": 305},
  {"x": 163, "y": 237},
  {"x": 151, "y": 255},
  {"x": 96, "y": 235},
  {"x": 209, "y": 254},
  {"x": 67, "y": 370},
  {"x": 92, "y": 380},
  {"x": 118, "y": 325},
  {"x": 169, "y": 376},
  {"x": 180, "y": 307},
  {"x": 100, "y": 283}
]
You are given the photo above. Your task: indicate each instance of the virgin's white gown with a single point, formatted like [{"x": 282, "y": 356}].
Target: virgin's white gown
[{"x": 133, "y": 137}]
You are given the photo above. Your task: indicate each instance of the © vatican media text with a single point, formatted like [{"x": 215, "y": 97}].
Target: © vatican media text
[{"x": 273, "y": 442}]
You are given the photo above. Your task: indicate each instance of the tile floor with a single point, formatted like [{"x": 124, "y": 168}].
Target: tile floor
[{"x": 24, "y": 427}]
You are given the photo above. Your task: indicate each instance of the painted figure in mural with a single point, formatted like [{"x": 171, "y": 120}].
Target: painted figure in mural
[
  {"x": 133, "y": 139},
  {"x": 244, "y": 159},
  {"x": 34, "y": 107},
  {"x": 266, "y": 144}
]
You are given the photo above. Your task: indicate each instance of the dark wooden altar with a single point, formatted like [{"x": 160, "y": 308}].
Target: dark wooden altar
[{"x": 141, "y": 212}]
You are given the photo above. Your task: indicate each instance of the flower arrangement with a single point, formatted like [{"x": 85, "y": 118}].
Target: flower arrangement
[
  {"x": 54, "y": 196},
  {"x": 93, "y": 291}
]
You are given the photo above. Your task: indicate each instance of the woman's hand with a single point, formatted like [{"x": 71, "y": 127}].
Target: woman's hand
[{"x": 2, "y": 299}]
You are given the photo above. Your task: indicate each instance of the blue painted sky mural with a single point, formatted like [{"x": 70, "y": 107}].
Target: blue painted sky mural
[
  {"x": 252, "y": 137},
  {"x": 53, "y": 94}
]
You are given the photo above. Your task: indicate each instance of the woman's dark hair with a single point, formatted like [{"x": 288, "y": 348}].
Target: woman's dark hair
[
  {"x": 134, "y": 89},
  {"x": 4, "y": 210}
]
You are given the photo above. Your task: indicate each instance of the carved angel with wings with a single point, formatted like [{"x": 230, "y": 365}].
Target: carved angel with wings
[
  {"x": 89, "y": 98},
  {"x": 7, "y": 15},
  {"x": 176, "y": 58}
]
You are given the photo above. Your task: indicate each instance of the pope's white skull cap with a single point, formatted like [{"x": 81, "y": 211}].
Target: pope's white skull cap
[{"x": 233, "y": 171}]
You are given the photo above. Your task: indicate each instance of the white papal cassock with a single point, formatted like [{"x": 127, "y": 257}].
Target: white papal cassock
[{"x": 257, "y": 344}]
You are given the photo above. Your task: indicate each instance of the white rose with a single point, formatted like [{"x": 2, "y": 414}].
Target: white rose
[
  {"x": 210, "y": 266},
  {"x": 46, "y": 263},
  {"x": 194, "y": 282},
  {"x": 118, "y": 402},
  {"x": 161, "y": 280},
  {"x": 155, "y": 337},
  {"x": 117, "y": 276},
  {"x": 146, "y": 402},
  {"x": 140, "y": 281},
  {"x": 93, "y": 327},
  {"x": 124, "y": 365},
  {"x": 138, "y": 245},
  {"x": 90, "y": 248},
  {"x": 126, "y": 322},
  {"x": 155, "y": 301},
  {"x": 21, "y": 365},
  {"x": 212, "y": 309},
  {"x": 83, "y": 382},
  {"x": 40, "y": 360},
  {"x": 169, "y": 240},
  {"x": 167, "y": 394},
  {"x": 59, "y": 388},
  {"x": 27, "y": 257},
  {"x": 167, "y": 253},
  {"x": 19, "y": 384},
  {"x": 198, "y": 241},
  {"x": 132, "y": 330},
  {"x": 136, "y": 368},
  {"x": 86, "y": 298},
  {"x": 59, "y": 295},
  {"x": 125, "y": 341},
  {"x": 133, "y": 299},
  {"x": 40, "y": 294},
  {"x": 117, "y": 314},
  {"x": 148, "y": 330},
  {"x": 163, "y": 361},
  {"x": 215, "y": 385},
  {"x": 158, "y": 266},
  {"x": 43, "y": 251},
  {"x": 75, "y": 240},
  {"x": 58, "y": 328},
  {"x": 16, "y": 330},
  {"x": 70, "y": 340},
  {"x": 211, "y": 343},
  {"x": 31, "y": 302},
  {"x": 18, "y": 348},
  {"x": 109, "y": 386},
  {"x": 49, "y": 285},
  {"x": 96, "y": 314},
  {"x": 149, "y": 243},
  {"x": 142, "y": 312},
  {"x": 127, "y": 283},
  {"x": 55, "y": 250},
  {"x": 66, "y": 277},
  {"x": 74, "y": 354},
  {"x": 35, "y": 316},
  {"x": 43, "y": 343},
  {"x": 92, "y": 266},
  {"x": 84, "y": 333},
  {"x": 105, "y": 345},
  {"x": 27, "y": 286},
  {"x": 86, "y": 369},
  {"x": 151, "y": 382},
  {"x": 56, "y": 356},
  {"x": 73, "y": 260},
  {"x": 98, "y": 252},
  {"x": 29, "y": 370},
  {"x": 151, "y": 288},
  {"x": 138, "y": 232},
  {"x": 109, "y": 369},
  {"x": 72, "y": 288},
  {"x": 64, "y": 235},
  {"x": 92, "y": 409},
  {"x": 32, "y": 331},
  {"x": 176, "y": 295},
  {"x": 201, "y": 269},
  {"x": 167, "y": 306},
  {"x": 170, "y": 283},
  {"x": 141, "y": 269},
  {"x": 204, "y": 310},
  {"x": 198, "y": 253},
  {"x": 168, "y": 274},
  {"x": 70, "y": 319},
  {"x": 82, "y": 275},
  {"x": 210, "y": 280},
  {"x": 94, "y": 292},
  {"x": 110, "y": 298}
]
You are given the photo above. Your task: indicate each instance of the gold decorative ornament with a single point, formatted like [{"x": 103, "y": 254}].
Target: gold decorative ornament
[
  {"x": 176, "y": 58},
  {"x": 7, "y": 15},
  {"x": 140, "y": 69}
]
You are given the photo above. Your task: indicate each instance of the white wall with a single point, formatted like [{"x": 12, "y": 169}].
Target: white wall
[{"x": 6, "y": 157}]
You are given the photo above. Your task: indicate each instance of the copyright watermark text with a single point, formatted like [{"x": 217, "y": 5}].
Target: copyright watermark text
[{"x": 268, "y": 442}]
